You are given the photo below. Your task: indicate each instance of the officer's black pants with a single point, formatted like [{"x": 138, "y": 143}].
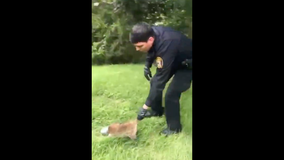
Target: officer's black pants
[{"x": 180, "y": 83}]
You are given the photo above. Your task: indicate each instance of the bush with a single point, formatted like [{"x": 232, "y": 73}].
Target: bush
[{"x": 112, "y": 22}]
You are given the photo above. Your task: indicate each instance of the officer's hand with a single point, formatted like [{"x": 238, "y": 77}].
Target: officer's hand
[
  {"x": 147, "y": 73},
  {"x": 188, "y": 63}
]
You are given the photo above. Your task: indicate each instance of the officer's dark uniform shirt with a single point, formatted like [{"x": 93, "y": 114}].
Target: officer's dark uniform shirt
[{"x": 169, "y": 50}]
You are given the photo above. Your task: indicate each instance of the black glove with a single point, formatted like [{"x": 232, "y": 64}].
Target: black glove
[
  {"x": 141, "y": 114},
  {"x": 188, "y": 63},
  {"x": 147, "y": 73}
]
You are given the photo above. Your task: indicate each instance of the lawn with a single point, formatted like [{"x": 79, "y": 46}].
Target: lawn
[{"x": 118, "y": 91}]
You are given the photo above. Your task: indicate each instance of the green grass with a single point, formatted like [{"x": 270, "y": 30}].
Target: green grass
[{"x": 118, "y": 91}]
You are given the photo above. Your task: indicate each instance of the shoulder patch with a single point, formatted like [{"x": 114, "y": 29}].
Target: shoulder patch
[{"x": 159, "y": 62}]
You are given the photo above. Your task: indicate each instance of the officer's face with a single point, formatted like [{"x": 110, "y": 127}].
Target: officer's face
[{"x": 144, "y": 46}]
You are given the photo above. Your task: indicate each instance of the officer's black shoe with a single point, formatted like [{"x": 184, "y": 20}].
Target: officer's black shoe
[
  {"x": 144, "y": 113},
  {"x": 168, "y": 132}
]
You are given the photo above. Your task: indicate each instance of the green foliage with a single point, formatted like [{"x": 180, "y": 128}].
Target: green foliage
[{"x": 112, "y": 21}]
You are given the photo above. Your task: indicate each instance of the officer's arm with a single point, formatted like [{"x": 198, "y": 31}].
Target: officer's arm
[
  {"x": 149, "y": 60},
  {"x": 167, "y": 52}
]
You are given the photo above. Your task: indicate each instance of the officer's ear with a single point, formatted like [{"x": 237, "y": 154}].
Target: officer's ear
[{"x": 151, "y": 40}]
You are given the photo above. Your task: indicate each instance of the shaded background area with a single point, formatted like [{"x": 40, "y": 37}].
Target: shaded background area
[{"x": 112, "y": 21}]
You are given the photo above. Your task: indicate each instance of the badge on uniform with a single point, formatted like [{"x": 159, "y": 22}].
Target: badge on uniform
[{"x": 159, "y": 62}]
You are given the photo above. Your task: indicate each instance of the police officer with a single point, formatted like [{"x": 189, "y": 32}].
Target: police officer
[{"x": 172, "y": 53}]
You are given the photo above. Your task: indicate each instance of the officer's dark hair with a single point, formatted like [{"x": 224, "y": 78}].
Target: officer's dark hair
[{"x": 141, "y": 32}]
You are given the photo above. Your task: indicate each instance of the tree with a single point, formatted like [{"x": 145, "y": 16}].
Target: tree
[{"x": 112, "y": 21}]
